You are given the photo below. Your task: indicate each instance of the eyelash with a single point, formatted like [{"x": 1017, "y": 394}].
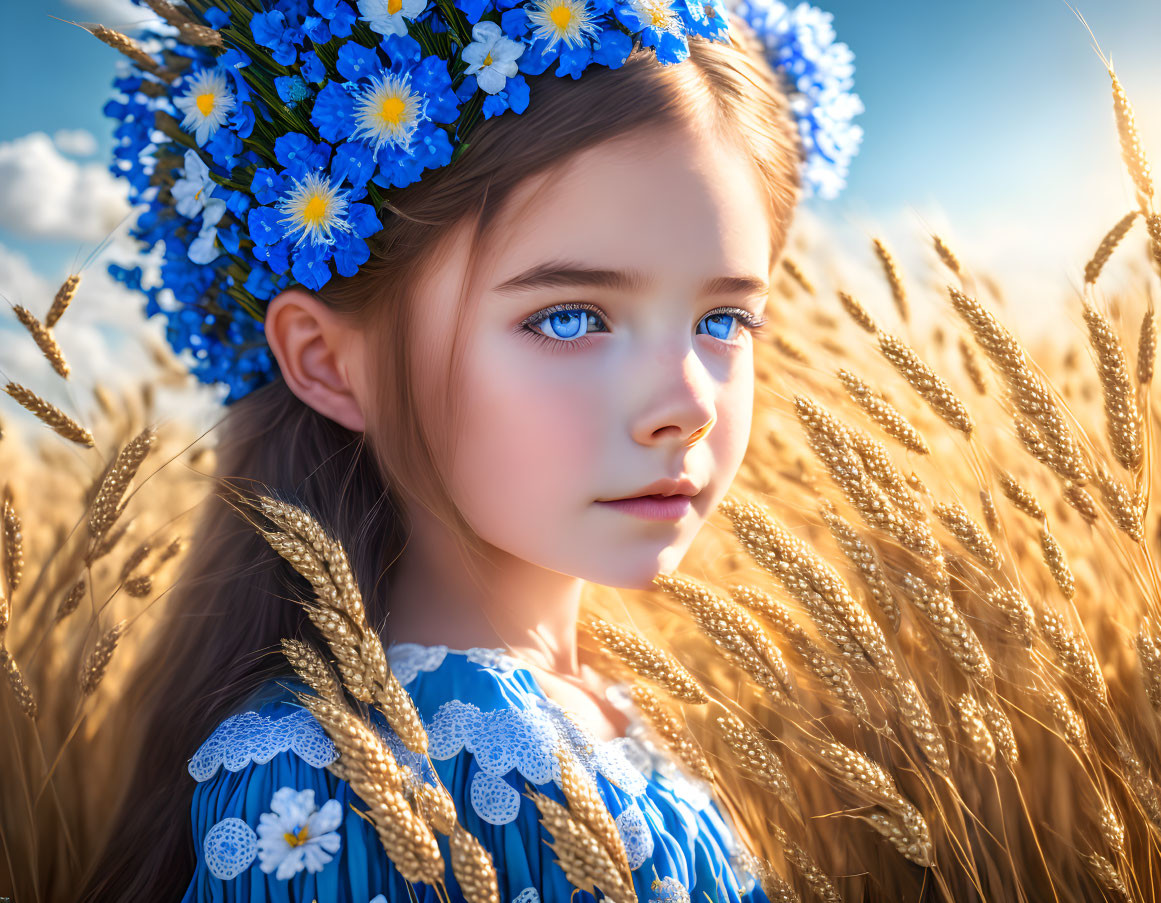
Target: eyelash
[{"x": 747, "y": 319}]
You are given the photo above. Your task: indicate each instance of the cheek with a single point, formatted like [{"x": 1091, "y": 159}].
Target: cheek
[{"x": 530, "y": 443}]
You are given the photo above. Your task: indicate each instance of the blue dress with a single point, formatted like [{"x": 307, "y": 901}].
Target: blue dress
[{"x": 271, "y": 823}]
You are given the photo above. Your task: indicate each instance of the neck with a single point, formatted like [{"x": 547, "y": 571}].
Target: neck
[{"x": 433, "y": 599}]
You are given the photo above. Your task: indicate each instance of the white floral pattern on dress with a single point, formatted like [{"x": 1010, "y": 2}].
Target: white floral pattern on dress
[
  {"x": 528, "y": 895},
  {"x": 229, "y": 848},
  {"x": 248, "y": 738},
  {"x": 668, "y": 890},
  {"x": 295, "y": 834},
  {"x": 635, "y": 834}
]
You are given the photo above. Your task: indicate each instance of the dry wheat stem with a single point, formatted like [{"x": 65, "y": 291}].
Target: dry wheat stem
[
  {"x": 50, "y": 415},
  {"x": 1124, "y": 427},
  {"x": 44, "y": 340},
  {"x": 131, "y": 49}
]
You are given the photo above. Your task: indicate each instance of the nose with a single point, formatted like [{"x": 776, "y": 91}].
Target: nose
[{"x": 678, "y": 407}]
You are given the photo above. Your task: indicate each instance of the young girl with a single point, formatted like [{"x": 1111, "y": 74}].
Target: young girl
[{"x": 538, "y": 375}]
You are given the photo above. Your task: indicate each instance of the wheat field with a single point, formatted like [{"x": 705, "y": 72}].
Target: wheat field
[{"x": 917, "y": 651}]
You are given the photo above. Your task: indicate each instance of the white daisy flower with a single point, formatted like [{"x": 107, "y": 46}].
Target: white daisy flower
[
  {"x": 387, "y": 17},
  {"x": 295, "y": 835},
  {"x": 193, "y": 186},
  {"x": 388, "y": 111},
  {"x": 658, "y": 13},
  {"x": 202, "y": 249},
  {"x": 491, "y": 57},
  {"x": 205, "y": 104},
  {"x": 315, "y": 210},
  {"x": 561, "y": 20}
]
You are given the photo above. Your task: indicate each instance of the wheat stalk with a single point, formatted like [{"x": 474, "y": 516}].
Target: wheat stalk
[
  {"x": 671, "y": 730},
  {"x": 755, "y": 756},
  {"x": 886, "y": 415},
  {"x": 20, "y": 689},
  {"x": 50, "y": 415},
  {"x": 1146, "y": 348},
  {"x": 131, "y": 49},
  {"x": 1123, "y": 418},
  {"x": 97, "y": 662},
  {"x": 1057, "y": 564},
  {"x": 938, "y": 394},
  {"x": 857, "y": 312},
  {"x": 473, "y": 868},
  {"x": 970, "y": 534},
  {"x": 794, "y": 271},
  {"x": 1131, "y": 151},
  {"x": 974, "y": 728},
  {"x": 44, "y": 340},
  {"x": 1092, "y": 269},
  {"x": 13, "y": 545},
  {"x": 62, "y": 300},
  {"x": 313, "y": 669},
  {"x": 107, "y": 506},
  {"x": 646, "y": 660},
  {"x": 971, "y": 366},
  {"x": 1021, "y": 498},
  {"x": 891, "y": 271}
]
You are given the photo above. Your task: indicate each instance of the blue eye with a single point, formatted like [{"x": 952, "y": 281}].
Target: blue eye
[{"x": 568, "y": 324}]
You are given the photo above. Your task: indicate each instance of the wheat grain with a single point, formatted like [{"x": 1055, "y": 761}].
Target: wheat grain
[
  {"x": 975, "y": 729},
  {"x": 1066, "y": 718},
  {"x": 139, "y": 587},
  {"x": 96, "y": 664},
  {"x": 1112, "y": 829},
  {"x": 13, "y": 546},
  {"x": 313, "y": 669},
  {"x": 1092, "y": 269},
  {"x": 891, "y": 271},
  {"x": 970, "y": 534},
  {"x": 671, "y": 730},
  {"x": 20, "y": 688},
  {"x": 1024, "y": 500},
  {"x": 107, "y": 506},
  {"x": 646, "y": 660},
  {"x": 1149, "y": 655},
  {"x": 1108, "y": 876},
  {"x": 971, "y": 366},
  {"x": 878, "y": 464},
  {"x": 825, "y": 668},
  {"x": 795, "y": 272},
  {"x": 857, "y": 312},
  {"x": 131, "y": 49},
  {"x": 135, "y": 559},
  {"x": 5, "y": 615},
  {"x": 802, "y": 862},
  {"x": 1074, "y": 655},
  {"x": 789, "y": 349},
  {"x": 885, "y": 414},
  {"x": 1146, "y": 348},
  {"x": 1140, "y": 783},
  {"x": 1126, "y": 510},
  {"x": 916, "y": 716},
  {"x": 1153, "y": 224},
  {"x": 436, "y": 806},
  {"x": 1027, "y": 390},
  {"x": 866, "y": 561},
  {"x": 1017, "y": 609},
  {"x": 473, "y": 868},
  {"x": 1123, "y": 419},
  {"x": 44, "y": 340},
  {"x": 755, "y": 756},
  {"x": 70, "y": 601},
  {"x": 945, "y": 254},
  {"x": 773, "y": 885},
  {"x": 1131, "y": 151},
  {"x": 937, "y": 393},
  {"x": 907, "y": 831},
  {"x": 734, "y": 632},
  {"x": 949, "y": 626},
  {"x": 1000, "y": 728},
  {"x": 585, "y": 803},
  {"x": 1080, "y": 500},
  {"x": 815, "y": 583},
  {"x": 61, "y": 301},
  {"x": 50, "y": 415},
  {"x": 1057, "y": 564}
]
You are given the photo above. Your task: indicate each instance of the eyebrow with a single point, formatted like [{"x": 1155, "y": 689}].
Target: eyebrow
[{"x": 565, "y": 274}]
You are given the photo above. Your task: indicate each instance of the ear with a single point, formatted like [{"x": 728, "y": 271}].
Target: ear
[{"x": 319, "y": 355}]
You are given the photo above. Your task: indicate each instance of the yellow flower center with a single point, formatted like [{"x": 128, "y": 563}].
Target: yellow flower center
[
  {"x": 659, "y": 16},
  {"x": 488, "y": 60},
  {"x": 393, "y": 6},
  {"x": 392, "y": 109},
  {"x": 205, "y": 103},
  {"x": 314, "y": 212},
  {"x": 298, "y": 839},
  {"x": 561, "y": 16}
]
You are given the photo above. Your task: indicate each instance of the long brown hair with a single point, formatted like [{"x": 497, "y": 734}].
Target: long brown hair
[{"x": 220, "y": 639}]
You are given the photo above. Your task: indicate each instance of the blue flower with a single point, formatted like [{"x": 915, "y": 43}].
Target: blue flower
[
  {"x": 270, "y": 30},
  {"x": 355, "y": 61},
  {"x": 312, "y": 67},
  {"x": 612, "y": 47},
  {"x": 334, "y": 112},
  {"x": 514, "y": 97},
  {"x": 298, "y": 154},
  {"x": 339, "y": 14},
  {"x": 291, "y": 88}
]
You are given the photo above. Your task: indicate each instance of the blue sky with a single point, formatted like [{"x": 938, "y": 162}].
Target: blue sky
[{"x": 990, "y": 120}]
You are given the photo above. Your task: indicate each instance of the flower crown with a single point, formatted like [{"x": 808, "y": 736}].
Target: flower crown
[{"x": 265, "y": 135}]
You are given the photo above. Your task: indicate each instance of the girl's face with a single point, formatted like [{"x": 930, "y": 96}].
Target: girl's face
[{"x": 610, "y": 321}]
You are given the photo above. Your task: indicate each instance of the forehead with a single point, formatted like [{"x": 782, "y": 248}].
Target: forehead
[{"x": 676, "y": 206}]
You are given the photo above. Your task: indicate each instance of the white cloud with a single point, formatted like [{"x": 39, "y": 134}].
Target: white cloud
[
  {"x": 123, "y": 15},
  {"x": 75, "y": 142},
  {"x": 46, "y": 195},
  {"x": 105, "y": 338}
]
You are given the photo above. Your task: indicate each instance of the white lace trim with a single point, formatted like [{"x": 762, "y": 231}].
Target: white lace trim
[
  {"x": 528, "y": 895},
  {"x": 635, "y": 834},
  {"x": 408, "y": 659},
  {"x": 249, "y": 737},
  {"x": 229, "y": 848}
]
